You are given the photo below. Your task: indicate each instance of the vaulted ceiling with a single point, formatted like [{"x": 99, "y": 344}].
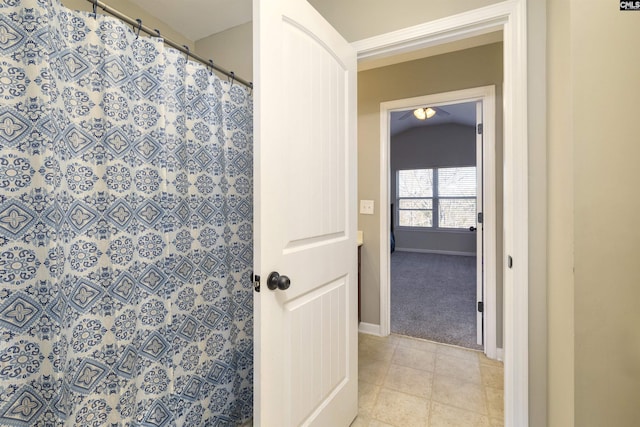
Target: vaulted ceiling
[{"x": 462, "y": 114}]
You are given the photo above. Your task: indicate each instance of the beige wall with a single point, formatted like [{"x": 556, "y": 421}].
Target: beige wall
[
  {"x": 232, "y": 49},
  {"x": 605, "y": 71},
  {"x": 560, "y": 219},
  {"x": 593, "y": 268},
  {"x": 134, "y": 12},
  {"x": 480, "y": 66},
  {"x": 359, "y": 19},
  {"x": 537, "y": 151}
]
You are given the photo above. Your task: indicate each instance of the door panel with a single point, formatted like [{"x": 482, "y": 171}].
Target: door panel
[
  {"x": 320, "y": 369},
  {"x": 317, "y": 153},
  {"x": 305, "y": 218}
]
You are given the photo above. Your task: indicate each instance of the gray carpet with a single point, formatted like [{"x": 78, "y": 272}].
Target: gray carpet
[{"x": 434, "y": 297}]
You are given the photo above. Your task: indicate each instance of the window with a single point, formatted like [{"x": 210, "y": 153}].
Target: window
[{"x": 450, "y": 192}]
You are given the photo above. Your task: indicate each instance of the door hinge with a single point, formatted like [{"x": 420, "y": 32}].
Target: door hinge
[
  {"x": 479, "y": 127},
  {"x": 480, "y": 217},
  {"x": 256, "y": 283},
  {"x": 480, "y": 307}
]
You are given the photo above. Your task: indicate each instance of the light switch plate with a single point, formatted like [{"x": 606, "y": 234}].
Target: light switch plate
[{"x": 366, "y": 207}]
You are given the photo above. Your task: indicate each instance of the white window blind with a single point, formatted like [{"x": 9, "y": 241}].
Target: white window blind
[
  {"x": 457, "y": 182},
  {"x": 456, "y": 197},
  {"x": 451, "y": 192},
  {"x": 415, "y": 198},
  {"x": 416, "y": 183}
]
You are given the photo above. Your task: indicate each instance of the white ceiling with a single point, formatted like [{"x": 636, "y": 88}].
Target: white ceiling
[
  {"x": 197, "y": 19},
  {"x": 463, "y": 114}
]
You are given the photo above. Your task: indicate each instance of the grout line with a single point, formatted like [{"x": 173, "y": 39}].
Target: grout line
[
  {"x": 433, "y": 383},
  {"x": 395, "y": 344}
]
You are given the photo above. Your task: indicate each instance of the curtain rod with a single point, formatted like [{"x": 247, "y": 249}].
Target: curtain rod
[{"x": 138, "y": 26}]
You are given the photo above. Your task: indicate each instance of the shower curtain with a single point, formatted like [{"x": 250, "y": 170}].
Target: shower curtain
[{"x": 125, "y": 228}]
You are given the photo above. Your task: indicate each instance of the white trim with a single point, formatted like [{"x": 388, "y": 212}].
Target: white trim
[
  {"x": 370, "y": 329},
  {"x": 480, "y": 228},
  {"x": 516, "y": 219},
  {"x": 448, "y": 29},
  {"x": 500, "y": 354},
  {"x": 510, "y": 17},
  {"x": 435, "y": 251},
  {"x": 489, "y": 225}
]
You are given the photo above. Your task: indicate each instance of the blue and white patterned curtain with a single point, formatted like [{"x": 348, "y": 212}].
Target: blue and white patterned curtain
[{"x": 125, "y": 228}]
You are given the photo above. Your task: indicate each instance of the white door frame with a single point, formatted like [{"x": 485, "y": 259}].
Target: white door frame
[
  {"x": 482, "y": 293},
  {"x": 510, "y": 17},
  {"x": 486, "y": 94}
]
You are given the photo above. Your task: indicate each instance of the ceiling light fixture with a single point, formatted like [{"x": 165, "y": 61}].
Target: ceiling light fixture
[{"x": 424, "y": 113}]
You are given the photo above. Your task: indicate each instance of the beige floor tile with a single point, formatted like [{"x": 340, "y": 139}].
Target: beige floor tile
[
  {"x": 392, "y": 339},
  {"x": 459, "y": 393},
  {"x": 459, "y": 352},
  {"x": 372, "y": 371},
  {"x": 492, "y": 376},
  {"x": 484, "y": 360},
  {"x": 399, "y": 374},
  {"x": 400, "y": 409},
  {"x": 361, "y": 421},
  {"x": 463, "y": 368},
  {"x": 448, "y": 416},
  {"x": 367, "y": 395},
  {"x": 414, "y": 358},
  {"x": 376, "y": 423},
  {"x": 495, "y": 401},
  {"x": 376, "y": 349},
  {"x": 418, "y": 344},
  {"x": 409, "y": 380}
]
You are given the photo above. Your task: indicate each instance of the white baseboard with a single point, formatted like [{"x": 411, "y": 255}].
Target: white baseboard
[
  {"x": 500, "y": 354},
  {"x": 435, "y": 251},
  {"x": 369, "y": 328}
]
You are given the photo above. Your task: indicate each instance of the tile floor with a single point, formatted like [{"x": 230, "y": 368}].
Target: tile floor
[{"x": 407, "y": 382}]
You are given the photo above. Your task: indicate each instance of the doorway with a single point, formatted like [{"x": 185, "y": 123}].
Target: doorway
[
  {"x": 436, "y": 207},
  {"x": 482, "y": 103},
  {"x": 510, "y": 18}
]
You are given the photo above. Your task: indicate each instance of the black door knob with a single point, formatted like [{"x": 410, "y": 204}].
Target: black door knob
[
  {"x": 276, "y": 281},
  {"x": 472, "y": 228}
]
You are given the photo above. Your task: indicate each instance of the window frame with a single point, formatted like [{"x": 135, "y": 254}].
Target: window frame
[{"x": 435, "y": 201}]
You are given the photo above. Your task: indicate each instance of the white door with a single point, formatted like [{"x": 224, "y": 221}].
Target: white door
[
  {"x": 305, "y": 219},
  {"x": 479, "y": 227}
]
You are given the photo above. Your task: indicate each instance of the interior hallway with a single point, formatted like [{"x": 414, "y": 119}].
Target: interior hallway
[{"x": 407, "y": 382}]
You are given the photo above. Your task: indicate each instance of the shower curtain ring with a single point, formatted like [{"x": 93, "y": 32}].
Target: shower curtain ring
[
  {"x": 95, "y": 9},
  {"x": 187, "y": 51},
  {"x": 211, "y": 65},
  {"x": 139, "y": 21},
  {"x": 232, "y": 77},
  {"x": 157, "y": 32}
]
